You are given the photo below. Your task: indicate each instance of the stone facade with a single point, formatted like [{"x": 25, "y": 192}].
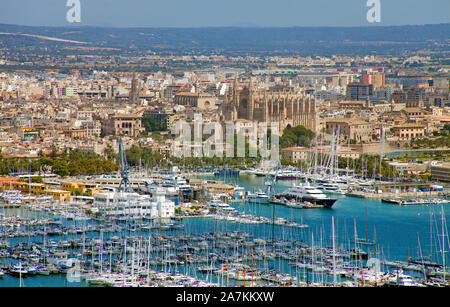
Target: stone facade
[
  {"x": 409, "y": 131},
  {"x": 197, "y": 100},
  {"x": 123, "y": 124},
  {"x": 357, "y": 130},
  {"x": 284, "y": 107}
]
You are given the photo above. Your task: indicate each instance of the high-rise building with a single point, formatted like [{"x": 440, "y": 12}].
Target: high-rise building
[
  {"x": 359, "y": 91},
  {"x": 374, "y": 78}
]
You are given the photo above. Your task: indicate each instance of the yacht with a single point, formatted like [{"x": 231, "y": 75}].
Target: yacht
[
  {"x": 287, "y": 175},
  {"x": 258, "y": 197},
  {"x": 307, "y": 193},
  {"x": 11, "y": 197},
  {"x": 18, "y": 270},
  {"x": 221, "y": 207},
  {"x": 174, "y": 183},
  {"x": 131, "y": 204},
  {"x": 331, "y": 188},
  {"x": 402, "y": 280}
]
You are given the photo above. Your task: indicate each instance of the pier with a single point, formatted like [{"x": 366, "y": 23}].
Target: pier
[{"x": 362, "y": 194}]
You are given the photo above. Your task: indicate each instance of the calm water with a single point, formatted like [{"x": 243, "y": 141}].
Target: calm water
[{"x": 397, "y": 230}]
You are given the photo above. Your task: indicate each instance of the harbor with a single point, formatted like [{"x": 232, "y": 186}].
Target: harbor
[
  {"x": 223, "y": 228},
  {"x": 241, "y": 243}
]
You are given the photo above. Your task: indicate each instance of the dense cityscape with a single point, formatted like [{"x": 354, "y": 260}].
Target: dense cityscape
[{"x": 93, "y": 193}]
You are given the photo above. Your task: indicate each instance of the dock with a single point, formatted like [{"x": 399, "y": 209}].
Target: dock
[
  {"x": 385, "y": 195},
  {"x": 417, "y": 201}
]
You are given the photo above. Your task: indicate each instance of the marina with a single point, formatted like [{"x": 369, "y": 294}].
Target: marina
[
  {"x": 242, "y": 231},
  {"x": 245, "y": 243}
]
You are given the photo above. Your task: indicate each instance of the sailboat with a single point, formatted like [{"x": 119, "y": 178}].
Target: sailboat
[
  {"x": 18, "y": 270},
  {"x": 364, "y": 241},
  {"x": 400, "y": 279},
  {"x": 258, "y": 197}
]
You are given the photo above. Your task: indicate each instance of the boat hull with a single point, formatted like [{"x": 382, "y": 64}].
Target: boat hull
[
  {"x": 258, "y": 200},
  {"x": 325, "y": 203}
]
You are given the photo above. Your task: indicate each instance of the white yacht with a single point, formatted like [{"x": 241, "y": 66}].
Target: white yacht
[
  {"x": 331, "y": 188},
  {"x": 221, "y": 207},
  {"x": 174, "y": 185},
  {"x": 402, "y": 280},
  {"x": 11, "y": 197},
  {"x": 258, "y": 197},
  {"x": 307, "y": 193}
]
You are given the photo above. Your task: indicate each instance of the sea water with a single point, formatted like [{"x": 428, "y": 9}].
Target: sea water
[{"x": 396, "y": 230}]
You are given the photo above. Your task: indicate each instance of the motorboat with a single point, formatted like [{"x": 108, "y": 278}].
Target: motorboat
[
  {"x": 307, "y": 193},
  {"x": 258, "y": 197}
]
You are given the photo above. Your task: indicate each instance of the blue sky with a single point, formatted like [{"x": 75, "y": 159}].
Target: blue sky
[{"x": 202, "y": 13}]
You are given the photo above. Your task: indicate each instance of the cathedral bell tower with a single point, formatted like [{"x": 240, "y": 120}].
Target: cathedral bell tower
[{"x": 251, "y": 100}]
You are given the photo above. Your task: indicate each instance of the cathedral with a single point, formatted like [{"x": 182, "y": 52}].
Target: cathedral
[{"x": 285, "y": 107}]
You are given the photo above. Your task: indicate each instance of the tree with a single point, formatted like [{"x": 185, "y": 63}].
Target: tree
[
  {"x": 151, "y": 125},
  {"x": 296, "y": 136},
  {"x": 109, "y": 153},
  {"x": 60, "y": 167},
  {"x": 37, "y": 179}
]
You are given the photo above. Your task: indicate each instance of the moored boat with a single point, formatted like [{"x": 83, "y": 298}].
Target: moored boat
[{"x": 307, "y": 193}]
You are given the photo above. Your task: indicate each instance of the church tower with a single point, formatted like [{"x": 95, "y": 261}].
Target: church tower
[{"x": 134, "y": 92}]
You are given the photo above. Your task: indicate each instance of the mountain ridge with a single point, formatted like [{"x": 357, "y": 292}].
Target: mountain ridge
[{"x": 289, "y": 39}]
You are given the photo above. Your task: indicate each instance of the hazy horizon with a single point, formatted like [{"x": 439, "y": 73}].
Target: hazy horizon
[
  {"x": 232, "y": 13},
  {"x": 200, "y": 27}
]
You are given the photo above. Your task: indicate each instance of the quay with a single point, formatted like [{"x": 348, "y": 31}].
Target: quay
[
  {"x": 400, "y": 190},
  {"x": 362, "y": 194}
]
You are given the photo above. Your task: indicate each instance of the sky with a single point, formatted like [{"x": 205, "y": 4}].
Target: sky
[{"x": 215, "y": 13}]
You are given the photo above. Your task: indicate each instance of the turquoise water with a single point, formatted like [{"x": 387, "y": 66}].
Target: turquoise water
[
  {"x": 39, "y": 281},
  {"x": 396, "y": 229}
]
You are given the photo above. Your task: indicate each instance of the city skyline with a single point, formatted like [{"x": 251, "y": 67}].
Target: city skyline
[{"x": 251, "y": 144}]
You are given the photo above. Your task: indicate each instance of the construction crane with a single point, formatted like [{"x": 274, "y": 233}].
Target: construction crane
[
  {"x": 124, "y": 169},
  {"x": 270, "y": 182}
]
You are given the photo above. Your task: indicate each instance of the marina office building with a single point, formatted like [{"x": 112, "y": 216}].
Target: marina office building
[
  {"x": 34, "y": 189},
  {"x": 441, "y": 172}
]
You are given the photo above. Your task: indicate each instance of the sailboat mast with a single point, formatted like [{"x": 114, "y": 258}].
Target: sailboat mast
[
  {"x": 421, "y": 257},
  {"x": 315, "y": 158},
  {"x": 443, "y": 243},
  {"x": 334, "y": 251},
  {"x": 375, "y": 253}
]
